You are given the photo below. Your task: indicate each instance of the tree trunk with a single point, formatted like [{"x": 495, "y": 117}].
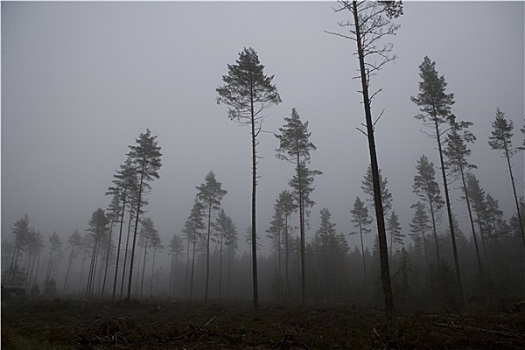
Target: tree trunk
[
  {"x": 126, "y": 254},
  {"x": 152, "y": 272},
  {"x": 363, "y": 253},
  {"x": 67, "y": 271},
  {"x": 139, "y": 202},
  {"x": 465, "y": 190},
  {"x": 208, "y": 253},
  {"x": 383, "y": 249},
  {"x": 434, "y": 228},
  {"x": 118, "y": 248},
  {"x": 450, "y": 221},
  {"x": 520, "y": 221},
  {"x": 254, "y": 187},
  {"x": 193, "y": 264},
  {"x": 144, "y": 266},
  {"x": 107, "y": 261}
]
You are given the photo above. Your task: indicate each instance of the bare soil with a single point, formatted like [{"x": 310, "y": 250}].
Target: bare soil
[{"x": 82, "y": 324}]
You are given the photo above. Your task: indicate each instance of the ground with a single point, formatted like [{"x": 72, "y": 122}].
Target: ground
[{"x": 83, "y": 324}]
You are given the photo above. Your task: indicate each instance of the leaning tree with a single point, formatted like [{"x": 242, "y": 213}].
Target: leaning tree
[
  {"x": 501, "y": 139},
  {"x": 248, "y": 91},
  {"x": 370, "y": 23}
]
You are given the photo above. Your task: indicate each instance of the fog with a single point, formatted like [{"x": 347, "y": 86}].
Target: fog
[{"x": 82, "y": 80}]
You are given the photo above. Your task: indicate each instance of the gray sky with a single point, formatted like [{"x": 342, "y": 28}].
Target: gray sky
[{"x": 80, "y": 81}]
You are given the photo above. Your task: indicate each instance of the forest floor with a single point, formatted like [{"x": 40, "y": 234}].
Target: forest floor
[{"x": 82, "y": 324}]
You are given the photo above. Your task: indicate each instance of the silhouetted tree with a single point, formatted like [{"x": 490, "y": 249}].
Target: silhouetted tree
[
  {"x": 225, "y": 228},
  {"x": 371, "y": 23},
  {"x": 457, "y": 152},
  {"x": 125, "y": 182},
  {"x": 435, "y": 106},
  {"x": 248, "y": 91},
  {"x": 231, "y": 243},
  {"x": 426, "y": 188},
  {"x": 75, "y": 245},
  {"x": 295, "y": 147},
  {"x": 361, "y": 220},
  {"x": 35, "y": 245},
  {"x": 98, "y": 228},
  {"x": 501, "y": 139},
  {"x": 210, "y": 194},
  {"x": 145, "y": 158},
  {"x": 367, "y": 185},
  {"x": 55, "y": 254},
  {"x": 394, "y": 228},
  {"x": 330, "y": 249},
  {"x": 21, "y": 231},
  {"x": 156, "y": 244},
  {"x": 192, "y": 227},
  {"x": 176, "y": 250},
  {"x": 419, "y": 227}
]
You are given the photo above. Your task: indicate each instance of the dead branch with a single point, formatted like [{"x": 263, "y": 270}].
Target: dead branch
[{"x": 483, "y": 330}]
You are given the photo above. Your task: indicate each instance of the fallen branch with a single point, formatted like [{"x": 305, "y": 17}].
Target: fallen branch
[{"x": 484, "y": 330}]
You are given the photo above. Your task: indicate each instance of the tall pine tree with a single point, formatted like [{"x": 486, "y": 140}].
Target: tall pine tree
[
  {"x": 435, "y": 107},
  {"x": 145, "y": 158},
  {"x": 248, "y": 91}
]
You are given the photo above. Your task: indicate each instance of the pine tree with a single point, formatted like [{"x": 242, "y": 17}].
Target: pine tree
[
  {"x": 225, "y": 229},
  {"x": 419, "y": 227},
  {"x": 147, "y": 233},
  {"x": 192, "y": 229},
  {"x": 435, "y": 105},
  {"x": 21, "y": 231},
  {"x": 248, "y": 91},
  {"x": 426, "y": 188},
  {"x": 210, "y": 194},
  {"x": 295, "y": 147},
  {"x": 75, "y": 245},
  {"x": 125, "y": 184},
  {"x": 367, "y": 185},
  {"x": 501, "y": 139},
  {"x": 55, "y": 254},
  {"x": 176, "y": 250},
  {"x": 361, "y": 220},
  {"x": 145, "y": 158},
  {"x": 98, "y": 228},
  {"x": 330, "y": 249},
  {"x": 394, "y": 228},
  {"x": 457, "y": 152}
]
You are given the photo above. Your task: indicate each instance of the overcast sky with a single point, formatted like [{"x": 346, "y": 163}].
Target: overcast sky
[{"x": 81, "y": 81}]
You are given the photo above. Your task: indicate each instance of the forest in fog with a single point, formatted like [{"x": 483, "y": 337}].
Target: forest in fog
[{"x": 267, "y": 195}]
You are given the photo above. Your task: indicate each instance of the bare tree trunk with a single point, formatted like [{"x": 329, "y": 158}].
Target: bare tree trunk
[
  {"x": 107, "y": 260},
  {"x": 126, "y": 254},
  {"x": 434, "y": 227},
  {"x": 465, "y": 190},
  {"x": 208, "y": 253},
  {"x": 135, "y": 234},
  {"x": 67, "y": 271},
  {"x": 254, "y": 215},
  {"x": 118, "y": 247},
  {"x": 383, "y": 248},
  {"x": 520, "y": 220},
  {"x": 193, "y": 264},
  {"x": 143, "y": 266},
  {"x": 450, "y": 221}
]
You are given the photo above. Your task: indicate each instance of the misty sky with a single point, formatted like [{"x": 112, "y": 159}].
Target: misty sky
[{"x": 81, "y": 80}]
